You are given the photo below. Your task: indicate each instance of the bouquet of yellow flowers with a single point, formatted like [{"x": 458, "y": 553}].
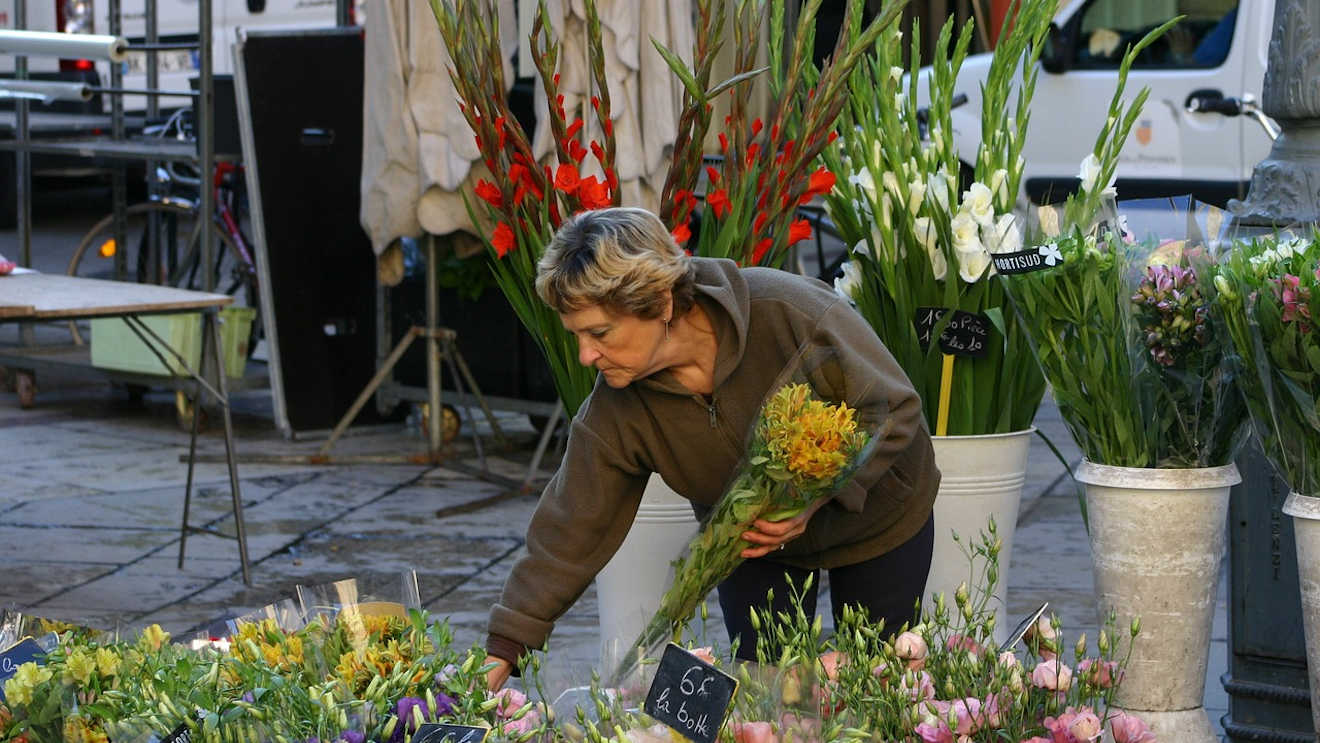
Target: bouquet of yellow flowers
[{"x": 806, "y": 443}]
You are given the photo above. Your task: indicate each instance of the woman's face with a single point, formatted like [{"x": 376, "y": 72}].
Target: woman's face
[{"x": 622, "y": 347}]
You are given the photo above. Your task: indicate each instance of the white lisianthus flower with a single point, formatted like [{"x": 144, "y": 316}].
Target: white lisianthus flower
[
  {"x": 1003, "y": 236},
  {"x": 916, "y": 195},
  {"x": 1090, "y": 172},
  {"x": 999, "y": 185},
  {"x": 848, "y": 284},
  {"x": 979, "y": 201}
]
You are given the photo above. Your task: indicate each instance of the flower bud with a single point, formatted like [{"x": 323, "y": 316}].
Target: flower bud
[
  {"x": 1103, "y": 642},
  {"x": 1136, "y": 626},
  {"x": 1080, "y": 649},
  {"x": 961, "y": 595}
]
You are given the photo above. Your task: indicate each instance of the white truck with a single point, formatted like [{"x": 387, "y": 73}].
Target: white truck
[{"x": 1218, "y": 52}]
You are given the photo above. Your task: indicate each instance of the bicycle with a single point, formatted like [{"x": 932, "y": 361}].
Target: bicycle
[
  {"x": 165, "y": 233},
  {"x": 163, "y": 236}
]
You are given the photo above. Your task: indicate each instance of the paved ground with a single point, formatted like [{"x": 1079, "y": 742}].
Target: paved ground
[{"x": 91, "y": 494}]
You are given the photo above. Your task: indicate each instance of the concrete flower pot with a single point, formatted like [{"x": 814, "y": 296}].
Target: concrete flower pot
[
  {"x": 1157, "y": 537},
  {"x": 629, "y": 588},
  {"x": 980, "y": 477},
  {"x": 1305, "y": 511}
]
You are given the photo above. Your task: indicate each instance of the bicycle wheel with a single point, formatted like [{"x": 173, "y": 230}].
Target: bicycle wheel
[{"x": 172, "y": 257}]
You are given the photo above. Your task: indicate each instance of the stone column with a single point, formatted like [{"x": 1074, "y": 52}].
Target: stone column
[{"x": 1267, "y": 678}]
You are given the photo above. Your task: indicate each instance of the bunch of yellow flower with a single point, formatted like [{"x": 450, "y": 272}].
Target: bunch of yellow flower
[
  {"x": 79, "y": 729},
  {"x": 19, "y": 688},
  {"x": 808, "y": 438},
  {"x": 802, "y": 449},
  {"x": 265, "y": 641}
]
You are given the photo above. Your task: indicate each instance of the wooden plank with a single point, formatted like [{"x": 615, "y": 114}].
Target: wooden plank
[
  {"x": 51, "y": 297},
  {"x": 13, "y": 311}
]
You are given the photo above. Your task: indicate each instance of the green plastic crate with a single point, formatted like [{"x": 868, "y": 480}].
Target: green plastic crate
[{"x": 115, "y": 346}]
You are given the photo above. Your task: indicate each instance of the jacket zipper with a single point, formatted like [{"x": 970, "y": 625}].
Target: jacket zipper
[{"x": 710, "y": 408}]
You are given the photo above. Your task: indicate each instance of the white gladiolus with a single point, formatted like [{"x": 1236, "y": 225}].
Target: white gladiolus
[
  {"x": 863, "y": 179},
  {"x": 896, "y": 73},
  {"x": 925, "y": 232},
  {"x": 900, "y": 102},
  {"x": 966, "y": 234},
  {"x": 916, "y": 195},
  {"x": 937, "y": 190},
  {"x": 972, "y": 264},
  {"x": 890, "y": 182},
  {"x": 886, "y": 212},
  {"x": 1090, "y": 172},
  {"x": 979, "y": 201},
  {"x": 999, "y": 185},
  {"x": 848, "y": 284},
  {"x": 1003, "y": 236}
]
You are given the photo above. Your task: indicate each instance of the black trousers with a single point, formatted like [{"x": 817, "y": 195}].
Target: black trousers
[{"x": 887, "y": 586}]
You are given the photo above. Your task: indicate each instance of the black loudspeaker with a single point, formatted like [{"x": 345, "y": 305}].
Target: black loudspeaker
[{"x": 304, "y": 103}]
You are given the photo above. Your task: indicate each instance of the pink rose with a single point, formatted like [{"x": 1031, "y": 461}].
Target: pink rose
[
  {"x": 1051, "y": 674},
  {"x": 911, "y": 648},
  {"x": 753, "y": 732},
  {"x": 1099, "y": 673},
  {"x": 1130, "y": 729}
]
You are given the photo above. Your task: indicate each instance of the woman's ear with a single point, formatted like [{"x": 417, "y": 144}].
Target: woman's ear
[{"x": 669, "y": 305}]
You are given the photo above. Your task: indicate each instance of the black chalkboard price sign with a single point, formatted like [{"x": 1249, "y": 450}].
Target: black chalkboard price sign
[
  {"x": 690, "y": 695},
  {"x": 436, "y": 733},
  {"x": 27, "y": 651},
  {"x": 966, "y": 333}
]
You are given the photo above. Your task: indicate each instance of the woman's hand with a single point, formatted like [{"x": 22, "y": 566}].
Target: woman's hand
[
  {"x": 770, "y": 536},
  {"x": 496, "y": 676}
]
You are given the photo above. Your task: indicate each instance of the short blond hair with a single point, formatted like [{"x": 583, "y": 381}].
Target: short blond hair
[{"x": 622, "y": 259}]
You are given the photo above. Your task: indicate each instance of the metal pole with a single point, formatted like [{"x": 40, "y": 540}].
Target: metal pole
[
  {"x": 240, "y": 529},
  {"x": 205, "y": 140},
  {"x": 118, "y": 176},
  {"x": 153, "y": 112},
  {"x": 22, "y": 158},
  {"x": 432, "y": 349}
]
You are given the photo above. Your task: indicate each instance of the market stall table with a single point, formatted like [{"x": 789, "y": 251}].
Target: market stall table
[{"x": 34, "y": 296}]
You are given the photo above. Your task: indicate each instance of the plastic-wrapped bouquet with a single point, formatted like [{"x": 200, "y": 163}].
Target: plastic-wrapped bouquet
[
  {"x": 808, "y": 440},
  {"x": 1269, "y": 297}
]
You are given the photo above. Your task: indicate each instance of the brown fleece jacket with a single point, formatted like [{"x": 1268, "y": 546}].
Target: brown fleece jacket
[{"x": 762, "y": 318}]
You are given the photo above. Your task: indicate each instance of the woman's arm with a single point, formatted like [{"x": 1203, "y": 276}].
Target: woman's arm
[{"x": 584, "y": 515}]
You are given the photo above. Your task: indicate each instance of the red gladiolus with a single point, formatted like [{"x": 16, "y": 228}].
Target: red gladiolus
[
  {"x": 799, "y": 230},
  {"x": 566, "y": 178},
  {"x": 760, "y": 250},
  {"x": 612, "y": 179},
  {"x": 833, "y": 136},
  {"x": 724, "y": 142},
  {"x": 593, "y": 193},
  {"x": 556, "y": 78},
  {"x": 517, "y": 172},
  {"x": 774, "y": 132},
  {"x": 713, "y": 175},
  {"x": 490, "y": 193},
  {"x": 753, "y": 150},
  {"x": 682, "y": 234},
  {"x": 757, "y": 126},
  {"x": 503, "y": 240},
  {"x": 595, "y": 101},
  {"x": 573, "y": 129},
  {"x": 821, "y": 182},
  {"x": 576, "y": 151},
  {"x": 598, "y": 151},
  {"x": 608, "y": 127},
  {"x": 788, "y": 148},
  {"x": 759, "y": 222},
  {"x": 519, "y": 194},
  {"x": 499, "y": 129},
  {"x": 719, "y": 202}
]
